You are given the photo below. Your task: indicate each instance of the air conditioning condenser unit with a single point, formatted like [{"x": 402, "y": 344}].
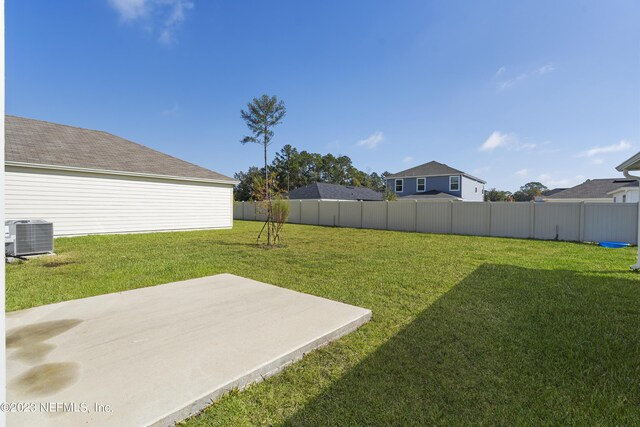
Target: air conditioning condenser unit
[{"x": 28, "y": 237}]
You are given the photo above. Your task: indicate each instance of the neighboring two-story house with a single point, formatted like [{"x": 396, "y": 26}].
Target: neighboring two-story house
[{"x": 436, "y": 180}]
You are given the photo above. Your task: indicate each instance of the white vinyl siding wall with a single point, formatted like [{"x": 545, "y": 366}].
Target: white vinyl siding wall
[
  {"x": 631, "y": 193},
  {"x": 469, "y": 193},
  {"x": 92, "y": 203}
]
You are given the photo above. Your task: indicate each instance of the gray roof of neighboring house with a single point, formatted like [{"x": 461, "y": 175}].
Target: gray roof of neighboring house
[
  {"x": 432, "y": 168},
  {"x": 433, "y": 194},
  {"x": 319, "y": 190},
  {"x": 594, "y": 189},
  {"x": 45, "y": 143},
  {"x": 552, "y": 191}
]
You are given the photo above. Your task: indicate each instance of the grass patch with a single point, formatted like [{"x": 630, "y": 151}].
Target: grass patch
[{"x": 464, "y": 330}]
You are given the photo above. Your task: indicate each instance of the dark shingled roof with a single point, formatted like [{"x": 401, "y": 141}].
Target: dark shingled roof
[
  {"x": 319, "y": 190},
  {"x": 594, "y": 189},
  {"x": 44, "y": 143},
  {"x": 430, "y": 169},
  {"x": 432, "y": 194},
  {"x": 552, "y": 191}
]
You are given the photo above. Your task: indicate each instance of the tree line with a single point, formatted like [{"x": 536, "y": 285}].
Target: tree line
[
  {"x": 526, "y": 193},
  {"x": 291, "y": 169}
]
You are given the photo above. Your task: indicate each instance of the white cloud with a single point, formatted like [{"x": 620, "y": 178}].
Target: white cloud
[
  {"x": 623, "y": 145},
  {"x": 508, "y": 83},
  {"x": 407, "y": 159},
  {"x": 130, "y": 9},
  {"x": 595, "y": 154},
  {"x": 170, "y": 13},
  {"x": 507, "y": 141},
  {"x": 547, "y": 68},
  {"x": 505, "y": 84},
  {"x": 372, "y": 141},
  {"x": 522, "y": 173},
  {"x": 176, "y": 17},
  {"x": 496, "y": 139}
]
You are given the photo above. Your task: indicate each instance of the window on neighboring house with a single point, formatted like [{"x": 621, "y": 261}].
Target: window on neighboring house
[
  {"x": 476, "y": 189},
  {"x": 614, "y": 199},
  {"x": 421, "y": 185},
  {"x": 454, "y": 183},
  {"x": 624, "y": 198},
  {"x": 399, "y": 185}
]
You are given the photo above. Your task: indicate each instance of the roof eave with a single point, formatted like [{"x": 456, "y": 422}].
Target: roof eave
[
  {"x": 625, "y": 188},
  {"x": 481, "y": 181},
  {"x": 631, "y": 164},
  {"x": 120, "y": 173}
]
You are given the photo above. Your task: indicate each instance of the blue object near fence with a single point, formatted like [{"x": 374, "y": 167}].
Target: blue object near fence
[{"x": 614, "y": 245}]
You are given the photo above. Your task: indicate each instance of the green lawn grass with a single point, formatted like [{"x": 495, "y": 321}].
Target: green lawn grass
[{"x": 465, "y": 330}]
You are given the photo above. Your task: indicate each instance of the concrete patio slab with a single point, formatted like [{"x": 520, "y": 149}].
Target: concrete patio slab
[{"x": 156, "y": 355}]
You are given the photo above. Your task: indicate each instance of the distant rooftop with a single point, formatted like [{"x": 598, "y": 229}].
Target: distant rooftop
[
  {"x": 432, "y": 168},
  {"x": 594, "y": 189},
  {"x": 429, "y": 195},
  {"x": 44, "y": 143},
  {"x": 319, "y": 190},
  {"x": 552, "y": 191}
]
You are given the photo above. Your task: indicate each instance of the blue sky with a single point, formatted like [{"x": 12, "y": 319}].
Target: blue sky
[{"x": 508, "y": 91}]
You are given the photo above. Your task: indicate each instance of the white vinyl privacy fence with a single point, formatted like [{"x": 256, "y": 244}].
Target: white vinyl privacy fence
[{"x": 572, "y": 221}]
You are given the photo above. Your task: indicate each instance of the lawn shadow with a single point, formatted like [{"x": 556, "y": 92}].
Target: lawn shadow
[
  {"x": 252, "y": 245},
  {"x": 506, "y": 346}
]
